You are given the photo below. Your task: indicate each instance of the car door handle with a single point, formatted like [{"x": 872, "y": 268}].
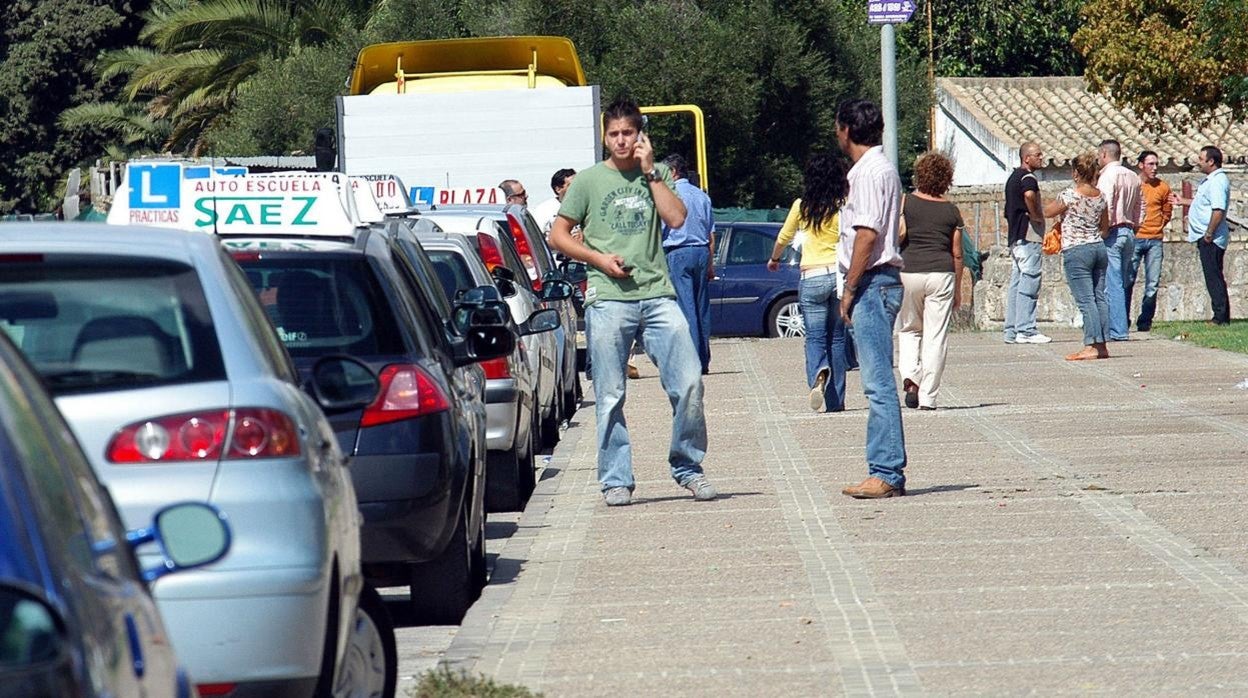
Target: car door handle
[{"x": 136, "y": 647}]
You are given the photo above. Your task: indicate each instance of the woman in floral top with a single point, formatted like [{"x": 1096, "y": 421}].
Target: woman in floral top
[{"x": 1084, "y": 222}]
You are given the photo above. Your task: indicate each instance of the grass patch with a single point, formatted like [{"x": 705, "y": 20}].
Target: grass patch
[
  {"x": 1232, "y": 337},
  {"x": 444, "y": 683}
]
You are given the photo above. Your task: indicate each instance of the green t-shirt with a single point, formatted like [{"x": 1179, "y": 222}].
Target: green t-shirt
[{"x": 617, "y": 214}]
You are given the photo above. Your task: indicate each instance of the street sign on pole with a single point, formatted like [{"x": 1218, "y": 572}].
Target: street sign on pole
[{"x": 889, "y": 11}]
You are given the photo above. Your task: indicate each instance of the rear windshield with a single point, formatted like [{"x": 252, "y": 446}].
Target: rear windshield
[
  {"x": 452, "y": 270},
  {"x": 99, "y": 323},
  {"x": 323, "y": 304}
]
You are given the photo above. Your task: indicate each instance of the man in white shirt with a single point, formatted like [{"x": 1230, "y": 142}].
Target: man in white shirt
[
  {"x": 545, "y": 212},
  {"x": 1120, "y": 187},
  {"x": 868, "y": 255}
]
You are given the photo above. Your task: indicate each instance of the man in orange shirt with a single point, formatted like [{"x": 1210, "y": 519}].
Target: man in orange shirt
[{"x": 1156, "y": 210}]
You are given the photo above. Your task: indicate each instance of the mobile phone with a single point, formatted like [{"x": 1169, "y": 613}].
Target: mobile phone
[
  {"x": 645, "y": 122},
  {"x": 628, "y": 268}
]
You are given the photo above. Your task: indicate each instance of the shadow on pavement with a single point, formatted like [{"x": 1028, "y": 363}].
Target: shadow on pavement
[
  {"x": 500, "y": 530},
  {"x": 689, "y": 498},
  {"x": 941, "y": 488}
]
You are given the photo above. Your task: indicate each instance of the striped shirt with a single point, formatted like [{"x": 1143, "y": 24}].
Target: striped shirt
[
  {"x": 1120, "y": 188},
  {"x": 874, "y": 202}
]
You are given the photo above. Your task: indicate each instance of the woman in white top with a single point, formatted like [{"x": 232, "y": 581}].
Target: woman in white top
[{"x": 1084, "y": 222}]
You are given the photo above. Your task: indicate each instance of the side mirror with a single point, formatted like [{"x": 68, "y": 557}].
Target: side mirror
[
  {"x": 478, "y": 295},
  {"x": 342, "y": 383},
  {"x": 505, "y": 287},
  {"x": 575, "y": 272},
  {"x": 540, "y": 321},
  {"x": 33, "y": 634},
  {"x": 484, "y": 342},
  {"x": 556, "y": 290},
  {"x": 502, "y": 272},
  {"x": 189, "y": 534}
]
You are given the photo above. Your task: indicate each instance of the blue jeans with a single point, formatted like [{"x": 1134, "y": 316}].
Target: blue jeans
[
  {"x": 617, "y": 324},
  {"x": 1086, "y": 273},
  {"x": 1024, "y": 289},
  {"x": 1120, "y": 244},
  {"x": 825, "y": 337},
  {"x": 688, "y": 267},
  {"x": 1151, "y": 252},
  {"x": 873, "y": 314}
]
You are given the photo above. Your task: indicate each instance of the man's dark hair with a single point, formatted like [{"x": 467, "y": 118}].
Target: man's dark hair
[
  {"x": 560, "y": 176},
  {"x": 1213, "y": 153},
  {"x": 1144, "y": 155},
  {"x": 1112, "y": 148},
  {"x": 863, "y": 119},
  {"x": 623, "y": 108},
  {"x": 680, "y": 168}
]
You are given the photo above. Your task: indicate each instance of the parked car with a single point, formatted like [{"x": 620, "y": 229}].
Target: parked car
[
  {"x": 515, "y": 222},
  {"x": 511, "y": 391},
  {"x": 746, "y": 299},
  {"x": 76, "y": 615},
  {"x": 173, "y": 381},
  {"x": 418, "y": 450},
  {"x": 495, "y": 247}
]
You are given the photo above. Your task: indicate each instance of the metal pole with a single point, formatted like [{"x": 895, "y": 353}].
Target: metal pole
[{"x": 888, "y": 88}]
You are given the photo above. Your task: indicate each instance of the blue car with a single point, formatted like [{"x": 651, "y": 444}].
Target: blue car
[
  {"x": 746, "y": 299},
  {"x": 76, "y": 615}
]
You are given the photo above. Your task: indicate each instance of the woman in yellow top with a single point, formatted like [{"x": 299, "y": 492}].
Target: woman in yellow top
[{"x": 816, "y": 213}]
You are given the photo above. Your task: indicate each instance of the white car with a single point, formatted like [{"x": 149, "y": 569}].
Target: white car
[{"x": 176, "y": 385}]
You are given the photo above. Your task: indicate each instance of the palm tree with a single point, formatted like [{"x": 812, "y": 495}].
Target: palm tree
[{"x": 199, "y": 54}]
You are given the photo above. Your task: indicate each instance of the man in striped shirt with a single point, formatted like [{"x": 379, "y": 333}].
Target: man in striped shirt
[{"x": 868, "y": 256}]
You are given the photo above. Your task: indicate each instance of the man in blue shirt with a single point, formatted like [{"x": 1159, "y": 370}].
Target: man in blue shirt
[
  {"x": 690, "y": 249},
  {"x": 1207, "y": 227}
]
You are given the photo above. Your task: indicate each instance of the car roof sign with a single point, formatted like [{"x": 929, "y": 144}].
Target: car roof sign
[
  {"x": 428, "y": 197},
  {"x": 388, "y": 190},
  {"x": 365, "y": 201}
]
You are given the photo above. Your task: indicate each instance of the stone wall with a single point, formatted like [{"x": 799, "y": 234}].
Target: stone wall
[{"x": 1181, "y": 293}]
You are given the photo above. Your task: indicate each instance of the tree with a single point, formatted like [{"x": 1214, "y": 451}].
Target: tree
[
  {"x": 1000, "y": 38},
  {"x": 1154, "y": 55},
  {"x": 46, "y": 53}
]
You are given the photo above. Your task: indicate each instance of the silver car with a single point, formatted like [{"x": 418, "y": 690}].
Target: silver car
[{"x": 173, "y": 380}]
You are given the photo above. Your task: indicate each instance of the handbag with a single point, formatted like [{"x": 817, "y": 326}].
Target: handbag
[{"x": 1053, "y": 239}]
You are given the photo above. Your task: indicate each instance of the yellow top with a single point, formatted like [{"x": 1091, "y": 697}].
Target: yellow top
[
  {"x": 819, "y": 247},
  {"x": 552, "y": 56}
]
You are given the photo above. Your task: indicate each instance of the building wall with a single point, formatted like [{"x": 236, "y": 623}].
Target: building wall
[{"x": 971, "y": 150}]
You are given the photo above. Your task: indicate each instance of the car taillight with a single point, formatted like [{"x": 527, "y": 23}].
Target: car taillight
[
  {"x": 216, "y": 689},
  {"x": 198, "y": 436},
  {"x": 21, "y": 258},
  {"x": 241, "y": 257},
  {"x": 522, "y": 247},
  {"x": 407, "y": 391},
  {"x": 497, "y": 368},
  {"x": 487, "y": 247}
]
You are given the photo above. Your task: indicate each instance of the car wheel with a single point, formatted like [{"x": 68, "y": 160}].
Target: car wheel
[
  {"x": 785, "y": 319},
  {"x": 504, "y": 481},
  {"x": 528, "y": 465},
  {"x": 370, "y": 664},
  {"x": 443, "y": 589},
  {"x": 570, "y": 399},
  {"x": 550, "y": 425}
]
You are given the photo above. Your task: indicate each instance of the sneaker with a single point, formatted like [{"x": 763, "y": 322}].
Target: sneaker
[
  {"x": 1010, "y": 340},
  {"x": 1036, "y": 338},
  {"x": 618, "y": 497},
  {"x": 701, "y": 488},
  {"x": 816, "y": 393}
]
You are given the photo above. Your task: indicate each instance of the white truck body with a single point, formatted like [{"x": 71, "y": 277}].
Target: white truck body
[{"x": 458, "y": 140}]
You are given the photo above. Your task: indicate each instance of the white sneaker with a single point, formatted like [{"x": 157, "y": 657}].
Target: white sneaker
[{"x": 1036, "y": 338}]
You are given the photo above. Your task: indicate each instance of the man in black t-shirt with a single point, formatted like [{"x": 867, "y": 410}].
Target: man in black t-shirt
[{"x": 1025, "y": 223}]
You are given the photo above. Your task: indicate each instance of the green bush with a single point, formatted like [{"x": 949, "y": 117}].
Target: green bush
[{"x": 444, "y": 683}]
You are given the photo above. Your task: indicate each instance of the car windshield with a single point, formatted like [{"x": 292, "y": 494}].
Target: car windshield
[
  {"x": 452, "y": 271},
  {"x": 325, "y": 304},
  {"x": 94, "y": 323}
]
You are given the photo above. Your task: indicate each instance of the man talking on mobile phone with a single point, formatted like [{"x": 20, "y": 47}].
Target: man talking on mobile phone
[{"x": 619, "y": 203}]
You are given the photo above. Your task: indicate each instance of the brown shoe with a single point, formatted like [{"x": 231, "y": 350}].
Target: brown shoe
[
  {"x": 873, "y": 488},
  {"x": 633, "y": 373}
]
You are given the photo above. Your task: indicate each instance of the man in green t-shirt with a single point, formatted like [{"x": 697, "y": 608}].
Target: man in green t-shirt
[{"x": 619, "y": 203}]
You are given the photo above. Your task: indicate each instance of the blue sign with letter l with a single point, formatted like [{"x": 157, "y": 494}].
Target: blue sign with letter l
[{"x": 158, "y": 185}]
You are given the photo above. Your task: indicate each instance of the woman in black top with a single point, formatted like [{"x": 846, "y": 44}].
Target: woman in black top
[{"x": 931, "y": 246}]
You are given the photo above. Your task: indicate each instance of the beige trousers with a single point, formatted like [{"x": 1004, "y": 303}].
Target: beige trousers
[{"x": 923, "y": 331}]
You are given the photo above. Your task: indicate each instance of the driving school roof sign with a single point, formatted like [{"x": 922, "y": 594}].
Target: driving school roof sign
[{"x": 889, "y": 11}]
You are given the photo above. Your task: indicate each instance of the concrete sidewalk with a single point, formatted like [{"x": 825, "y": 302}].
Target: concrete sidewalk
[{"x": 1071, "y": 528}]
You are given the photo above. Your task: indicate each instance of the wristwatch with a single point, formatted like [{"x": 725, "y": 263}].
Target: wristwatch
[{"x": 654, "y": 176}]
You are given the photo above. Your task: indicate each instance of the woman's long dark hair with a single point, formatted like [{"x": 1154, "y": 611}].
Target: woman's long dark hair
[{"x": 824, "y": 187}]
